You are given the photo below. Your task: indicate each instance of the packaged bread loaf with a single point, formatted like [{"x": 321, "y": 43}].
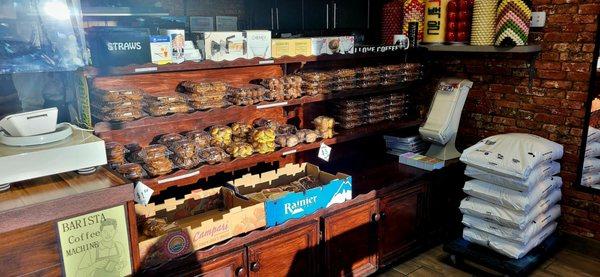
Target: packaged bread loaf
[
  {"x": 200, "y": 137},
  {"x": 221, "y": 135}
]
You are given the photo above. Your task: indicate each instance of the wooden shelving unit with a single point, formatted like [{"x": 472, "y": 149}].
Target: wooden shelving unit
[{"x": 186, "y": 177}]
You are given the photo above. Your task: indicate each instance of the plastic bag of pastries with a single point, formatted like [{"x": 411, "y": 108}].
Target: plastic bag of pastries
[
  {"x": 153, "y": 151},
  {"x": 186, "y": 163},
  {"x": 120, "y": 115},
  {"x": 163, "y": 98},
  {"x": 316, "y": 76},
  {"x": 287, "y": 140},
  {"x": 158, "y": 166},
  {"x": 221, "y": 135},
  {"x": 168, "y": 139},
  {"x": 213, "y": 155},
  {"x": 285, "y": 129},
  {"x": 263, "y": 140},
  {"x": 246, "y": 95},
  {"x": 324, "y": 125},
  {"x": 200, "y": 137},
  {"x": 115, "y": 153},
  {"x": 307, "y": 135},
  {"x": 165, "y": 109},
  {"x": 118, "y": 106},
  {"x": 118, "y": 95},
  {"x": 131, "y": 171},
  {"x": 184, "y": 148},
  {"x": 241, "y": 131},
  {"x": 202, "y": 87},
  {"x": 240, "y": 149},
  {"x": 263, "y": 122}
]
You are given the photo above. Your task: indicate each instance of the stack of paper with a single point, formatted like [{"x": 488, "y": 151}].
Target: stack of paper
[{"x": 400, "y": 145}]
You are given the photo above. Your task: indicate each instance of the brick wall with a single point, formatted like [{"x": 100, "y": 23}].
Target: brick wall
[{"x": 551, "y": 104}]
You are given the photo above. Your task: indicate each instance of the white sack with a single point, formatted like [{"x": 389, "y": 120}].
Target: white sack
[
  {"x": 506, "y": 247},
  {"x": 590, "y": 179},
  {"x": 592, "y": 149},
  {"x": 538, "y": 174},
  {"x": 591, "y": 165},
  {"x": 593, "y": 134},
  {"x": 509, "y": 198},
  {"x": 506, "y": 217},
  {"x": 521, "y": 237},
  {"x": 511, "y": 155}
]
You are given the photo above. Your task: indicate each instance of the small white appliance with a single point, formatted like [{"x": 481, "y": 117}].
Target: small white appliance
[
  {"x": 32, "y": 145},
  {"x": 441, "y": 125}
]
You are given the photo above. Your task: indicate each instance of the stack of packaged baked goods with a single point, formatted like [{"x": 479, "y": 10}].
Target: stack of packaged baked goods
[
  {"x": 262, "y": 136},
  {"x": 205, "y": 94},
  {"x": 119, "y": 105},
  {"x": 185, "y": 153},
  {"x": 400, "y": 73},
  {"x": 165, "y": 103},
  {"x": 246, "y": 95},
  {"x": 324, "y": 126},
  {"x": 343, "y": 79},
  {"x": 292, "y": 87},
  {"x": 316, "y": 82},
  {"x": 368, "y": 77},
  {"x": 511, "y": 205},
  {"x": 274, "y": 88},
  {"x": 354, "y": 112},
  {"x": 156, "y": 159}
]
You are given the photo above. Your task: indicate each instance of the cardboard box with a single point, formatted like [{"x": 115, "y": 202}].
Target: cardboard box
[
  {"x": 291, "y": 47},
  {"x": 220, "y": 46},
  {"x": 332, "y": 45},
  {"x": 160, "y": 49},
  {"x": 258, "y": 44},
  {"x": 334, "y": 189},
  {"x": 177, "y": 43},
  {"x": 204, "y": 217}
]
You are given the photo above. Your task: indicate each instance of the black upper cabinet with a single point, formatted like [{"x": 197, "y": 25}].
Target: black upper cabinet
[
  {"x": 288, "y": 15},
  {"x": 316, "y": 14},
  {"x": 351, "y": 14},
  {"x": 263, "y": 14}
]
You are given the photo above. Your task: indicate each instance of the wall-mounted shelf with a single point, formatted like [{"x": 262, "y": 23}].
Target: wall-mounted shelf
[
  {"x": 481, "y": 49},
  {"x": 187, "y": 177}
]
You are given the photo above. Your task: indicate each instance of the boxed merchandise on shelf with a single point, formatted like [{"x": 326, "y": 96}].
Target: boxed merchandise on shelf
[
  {"x": 202, "y": 218},
  {"x": 310, "y": 189},
  {"x": 332, "y": 45},
  {"x": 291, "y": 47},
  {"x": 222, "y": 46},
  {"x": 117, "y": 46},
  {"x": 258, "y": 44}
]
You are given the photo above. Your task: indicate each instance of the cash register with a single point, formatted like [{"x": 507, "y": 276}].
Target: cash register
[{"x": 33, "y": 145}]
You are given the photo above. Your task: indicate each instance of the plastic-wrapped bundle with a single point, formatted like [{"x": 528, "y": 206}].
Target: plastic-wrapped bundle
[{"x": 484, "y": 22}]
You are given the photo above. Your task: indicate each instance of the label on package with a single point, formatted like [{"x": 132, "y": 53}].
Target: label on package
[{"x": 324, "y": 152}]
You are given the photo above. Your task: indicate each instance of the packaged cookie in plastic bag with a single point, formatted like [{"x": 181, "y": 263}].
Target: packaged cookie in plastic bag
[
  {"x": 202, "y": 87},
  {"x": 131, "y": 171},
  {"x": 241, "y": 131},
  {"x": 186, "y": 162},
  {"x": 221, "y": 135},
  {"x": 168, "y": 139},
  {"x": 263, "y": 140},
  {"x": 287, "y": 140},
  {"x": 263, "y": 122},
  {"x": 184, "y": 148},
  {"x": 246, "y": 95},
  {"x": 240, "y": 149},
  {"x": 200, "y": 137},
  {"x": 307, "y": 135},
  {"x": 158, "y": 166},
  {"x": 274, "y": 88},
  {"x": 118, "y": 95},
  {"x": 121, "y": 115},
  {"x": 324, "y": 125},
  {"x": 115, "y": 153},
  {"x": 153, "y": 151},
  {"x": 315, "y": 76},
  {"x": 166, "y": 109},
  {"x": 213, "y": 155},
  {"x": 286, "y": 129}
]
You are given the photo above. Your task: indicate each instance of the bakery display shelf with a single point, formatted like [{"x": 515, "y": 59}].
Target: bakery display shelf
[
  {"x": 102, "y": 127},
  {"x": 241, "y": 62},
  {"x": 187, "y": 177},
  {"x": 534, "y": 48}
]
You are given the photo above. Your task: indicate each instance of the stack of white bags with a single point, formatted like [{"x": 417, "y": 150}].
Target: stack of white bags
[
  {"x": 511, "y": 205},
  {"x": 591, "y": 164}
]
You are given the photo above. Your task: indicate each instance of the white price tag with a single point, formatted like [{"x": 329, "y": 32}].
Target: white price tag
[
  {"x": 142, "y": 193},
  {"x": 324, "y": 152}
]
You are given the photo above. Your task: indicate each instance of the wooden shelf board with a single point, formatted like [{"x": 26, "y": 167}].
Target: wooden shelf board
[
  {"x": 208, "y": 64},
  {"x": 102, "y": 127},
  {"x": 482, "y": 49},
  {"x": 187, "y": 177}
]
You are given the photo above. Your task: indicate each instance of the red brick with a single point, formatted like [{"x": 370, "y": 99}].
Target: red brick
[
  {"x": 584, "y": 18},
  {"x": 551, "y": 74},
  {"x": 546, "y": 118},
  {"x": 560, "y": 36},
  {"x": 593, "y": 9},
  {"x": 578, "y": 76},
  {"x": 556, "y": 84},
  {"x": 578, "y": 67},
  {"x": 588, "y": 47}
]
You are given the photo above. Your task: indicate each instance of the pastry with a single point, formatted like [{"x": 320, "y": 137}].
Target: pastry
[
  {"x": 263, "y": 122},
  {"x": 153, "y": 151},
  {"x": 184, "y": 148},
  {"x": 324, "y": 125},
  {"x": 165, "y": 109},
  {"x": 240, "y": 149},
  {"x": 213, "y": 155},
  {"x": 221, "y": 136},
  {"x": 307, "y": 135},
  {"x": 186, "y": 163},
  {"x": 167, "y": 139},
  {"x": 201, "y": 138},
  {"x": 241, "y": 131},
  {"x": 289, "y": 140},
  {"x": 130, "y": 171},
  {"x": 202, "y": 87},
  {"x": 159, "y": 166},
  {"x": 118, "y": 95}
]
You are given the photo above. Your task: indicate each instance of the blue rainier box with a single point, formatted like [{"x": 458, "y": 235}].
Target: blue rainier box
[{"x": 281, "y": 206}]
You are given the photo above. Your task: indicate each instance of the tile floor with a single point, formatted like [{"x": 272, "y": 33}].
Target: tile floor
[{"x": 436, "y": 262}]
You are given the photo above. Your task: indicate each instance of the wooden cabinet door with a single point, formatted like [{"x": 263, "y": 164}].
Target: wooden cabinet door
[
  {"x": 263, "y": 14},
  {"x": 351, "y": 241},
  {"x": 399, "y": 223},
  {"x": 292, "y": 253},
  {"x": 228, "y": 265}
]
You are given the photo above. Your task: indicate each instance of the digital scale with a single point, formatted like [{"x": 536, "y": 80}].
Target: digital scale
[{"x": 32, "y": 145}]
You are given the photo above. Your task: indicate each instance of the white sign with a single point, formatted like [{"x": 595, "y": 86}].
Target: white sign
[
  {"x": 324, "y": 152},
  {"x": 227, "y": 23},
  {"x": 142, "y": 193}
]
